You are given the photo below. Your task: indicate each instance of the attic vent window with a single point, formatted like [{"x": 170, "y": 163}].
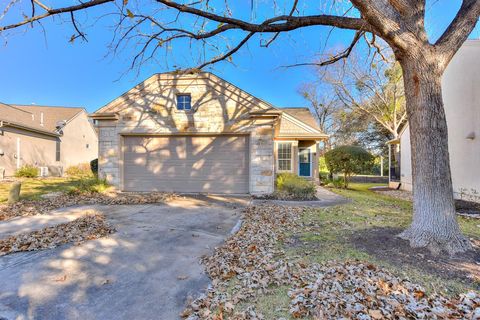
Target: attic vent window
[{"x": 184, "y": 102}]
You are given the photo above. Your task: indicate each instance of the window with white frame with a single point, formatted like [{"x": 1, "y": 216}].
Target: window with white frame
[
  {"x": 184, "y": 102},
  {"x": 284, "y": 155}
]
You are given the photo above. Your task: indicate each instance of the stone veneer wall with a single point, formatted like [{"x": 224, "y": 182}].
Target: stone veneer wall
[
  {"x": 217, "y": 108},
  {"x": 108, "y": 153}
]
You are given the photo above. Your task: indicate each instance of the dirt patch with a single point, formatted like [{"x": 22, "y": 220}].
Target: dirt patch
[
  {"x": 468, "y": 207},
  {"x": 383, "y": 244},
  {"x": 399, "y": 194}
]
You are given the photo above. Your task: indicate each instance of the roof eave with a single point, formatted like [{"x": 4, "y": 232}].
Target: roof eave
[
  {"x": 303, "y": 136},
  {"x": 4, "y": 123},
  {"x": 104, "y": 116}
]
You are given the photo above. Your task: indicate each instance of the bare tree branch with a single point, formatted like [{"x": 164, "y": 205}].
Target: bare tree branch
[
  {"x": 52, "y": 12},
  {"x": 228, "y": 54},
  {"x": 276, "y": 24},
  {"x": 79, "y": 33},
  {"x": 339, "y": 56},
  {"x": 41, "y": 5},
  {"x": 294, "y": 7},
  {"x": 459, "y": 30}
]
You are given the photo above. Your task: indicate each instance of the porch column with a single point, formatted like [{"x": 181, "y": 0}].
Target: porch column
[
  {"x": 315, "y": 152},
  {"x": 295, "y": 157},
  {"x": 389, "y": 163}
]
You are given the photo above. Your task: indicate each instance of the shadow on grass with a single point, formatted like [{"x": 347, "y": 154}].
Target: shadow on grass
[{"x": 382, "y": 244}]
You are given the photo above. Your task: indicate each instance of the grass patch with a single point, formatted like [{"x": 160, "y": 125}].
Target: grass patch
[
  {"x": 33, "y": 188},
  {"x": 88, "y": 185},
  {"x": 275, "y": 304},
  {"x": 345, "y": 232}
]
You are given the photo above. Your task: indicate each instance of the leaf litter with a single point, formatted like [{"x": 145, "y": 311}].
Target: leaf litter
[
  {"x": 91, "y": 226},
  {"x": 34, "y": 207},
  {"x": 336, "y": 290}
]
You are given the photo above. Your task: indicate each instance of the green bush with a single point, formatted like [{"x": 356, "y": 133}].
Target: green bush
[
  {"x": 291, "y": 186},
  {"x": 89, "y": 185},
  {"x": 94, "y": 166},
  {"x": 80, "y": 170},
  {"x": 27, "y": 171},
  {"x": 348, "y": 160},
  {"x": 336, "y": 183}
]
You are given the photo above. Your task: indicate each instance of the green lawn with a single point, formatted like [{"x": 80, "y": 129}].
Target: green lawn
[
  {"x": 365, "y": 229},
  {"x": 33, "y": 188}
]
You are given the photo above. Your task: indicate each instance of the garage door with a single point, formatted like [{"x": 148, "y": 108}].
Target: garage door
[{"x": 217, "y": 164}]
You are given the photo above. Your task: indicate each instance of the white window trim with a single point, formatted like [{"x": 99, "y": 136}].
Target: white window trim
[
  {"x": 291, "y": 156},
  {"x": 311, "y": 161},
  {"x": 176, "y": 102}
]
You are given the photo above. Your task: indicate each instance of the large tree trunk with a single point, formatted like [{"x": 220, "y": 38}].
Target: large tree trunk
[{"x": 434, "y": 219}]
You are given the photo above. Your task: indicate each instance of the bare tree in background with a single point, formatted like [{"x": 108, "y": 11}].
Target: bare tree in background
[
  {"x": 375, "y": 90},
  {"x": 359, "y": 101},
  {"x": 324, "y": 107},
  {"x": 400, "y": 23}
]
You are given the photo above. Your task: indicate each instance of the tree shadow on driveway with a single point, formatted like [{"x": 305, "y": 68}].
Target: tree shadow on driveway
[{"x": 146, "y": 270}]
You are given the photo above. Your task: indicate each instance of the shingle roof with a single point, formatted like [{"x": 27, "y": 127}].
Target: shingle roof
[
  {"x": 30, "y": 116},
  {"x": 302, "y": 114}
]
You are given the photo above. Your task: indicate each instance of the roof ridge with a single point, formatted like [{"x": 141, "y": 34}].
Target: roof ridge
[
  {"x": 45, "y": 106},
  {"x": 14, "y": 107}
]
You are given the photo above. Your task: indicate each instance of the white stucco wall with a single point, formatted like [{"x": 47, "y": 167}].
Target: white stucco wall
[{"x": 461, "y": 95}]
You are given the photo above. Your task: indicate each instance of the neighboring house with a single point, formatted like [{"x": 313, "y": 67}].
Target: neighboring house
[
  {"x": 46, "y": 137},
  {"x": 199, "y": 133},
  {"x": 461, "y": 96}
]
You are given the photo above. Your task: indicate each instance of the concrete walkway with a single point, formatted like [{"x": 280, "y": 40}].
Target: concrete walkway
[
  {"x": 325, "y": 198},
  {"x": 146, "y": 270}
]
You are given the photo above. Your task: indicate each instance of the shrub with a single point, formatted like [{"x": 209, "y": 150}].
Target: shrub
[
  {"x": 348, "y": 160},
  {"x": 94, "y": 166},
  {"x": 89, "y": 185},
  {"x": 27, "y": 171},
  {"x": 290, "y": 185},
  {"x": 80, "y": 170},
  {"x": 336, "y": 183}
]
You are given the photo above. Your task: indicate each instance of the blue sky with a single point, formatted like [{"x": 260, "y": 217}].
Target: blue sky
[{"x": 47, "y": 69}]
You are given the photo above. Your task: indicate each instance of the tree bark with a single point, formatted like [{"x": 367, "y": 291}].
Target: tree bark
[{"x": 434, "y": 222}]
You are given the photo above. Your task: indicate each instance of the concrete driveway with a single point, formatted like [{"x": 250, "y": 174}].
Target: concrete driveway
[{"x": 144, "y": 271}]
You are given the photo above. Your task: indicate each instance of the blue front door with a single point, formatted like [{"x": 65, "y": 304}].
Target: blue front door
[{"x": 304, "y": 162}]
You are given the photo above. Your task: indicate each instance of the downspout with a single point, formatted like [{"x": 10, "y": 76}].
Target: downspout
[{"x": 18, "y": 153}]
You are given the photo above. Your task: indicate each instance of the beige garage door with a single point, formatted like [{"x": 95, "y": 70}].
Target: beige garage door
[{"x": 217, "y": 164}]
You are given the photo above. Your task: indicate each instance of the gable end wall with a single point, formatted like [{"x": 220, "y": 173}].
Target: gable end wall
[{"x": 152, "y": 111}]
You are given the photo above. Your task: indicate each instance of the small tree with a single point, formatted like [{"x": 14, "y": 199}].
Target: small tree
[{"x": 348, "y": 160}]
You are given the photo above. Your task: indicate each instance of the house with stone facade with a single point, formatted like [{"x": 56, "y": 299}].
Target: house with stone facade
[{"x": 199, "y": 133}]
